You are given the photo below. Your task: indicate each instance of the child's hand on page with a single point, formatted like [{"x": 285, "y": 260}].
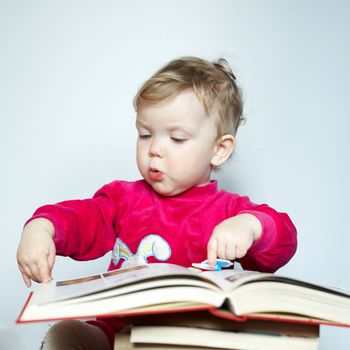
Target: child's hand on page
[
  {"x": 36, "y": 251},
  {"x": 232, "y": 238}
]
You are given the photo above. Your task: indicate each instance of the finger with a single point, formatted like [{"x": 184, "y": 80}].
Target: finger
[
  {"x": 43, "y": 271},
  {"x": 212, "y": 251},
  {"x": 221, "y": 249},
  {"x": 51, "y": 259},
  {"x": 36, "y": 271},
  {"x": 26, "y": 275},
  {"x": 32, "y": 273},
  {"x": 27, "y": 271},
  {"x": 26, "y": 280},
  {"x": 240, "y": 252},
  {"x": 230, "y": 251}
]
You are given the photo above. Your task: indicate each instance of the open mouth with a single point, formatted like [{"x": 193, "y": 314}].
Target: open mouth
[{"x": 155, "y": 174}]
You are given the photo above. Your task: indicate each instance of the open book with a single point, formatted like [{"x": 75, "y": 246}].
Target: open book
[{"x": 157, "y": 288}]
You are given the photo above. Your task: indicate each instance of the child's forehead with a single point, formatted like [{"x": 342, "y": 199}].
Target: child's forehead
[
  {"x": 184, "y": 104},
  {"x": 185, "y": 100},
  {"x": 170, "y": 121},
  {"x": 169, "y": 126}
]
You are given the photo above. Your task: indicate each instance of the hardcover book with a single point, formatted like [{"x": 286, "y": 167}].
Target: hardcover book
[{"x": 157, "y": 288}]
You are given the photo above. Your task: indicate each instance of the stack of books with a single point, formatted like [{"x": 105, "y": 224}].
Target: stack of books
[
  {"x": 202, "y": 330},
  {"x": 170, "y": 307}
]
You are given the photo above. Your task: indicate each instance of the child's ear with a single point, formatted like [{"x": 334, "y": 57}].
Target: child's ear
[{"x": 223, "y": 149}]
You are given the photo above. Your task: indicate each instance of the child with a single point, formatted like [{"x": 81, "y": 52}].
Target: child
[{"x": 187, "y": 117}]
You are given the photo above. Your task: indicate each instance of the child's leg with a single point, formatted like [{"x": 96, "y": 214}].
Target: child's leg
[{"x": 75, "y": 335}]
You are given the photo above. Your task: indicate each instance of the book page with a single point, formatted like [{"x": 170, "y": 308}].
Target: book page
[
  {"x": 230, "y": 279},
  {"x": 69, "y": 289}
]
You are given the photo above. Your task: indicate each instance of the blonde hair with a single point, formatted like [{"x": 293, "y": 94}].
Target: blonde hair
[{"x": 213, "y": 83}]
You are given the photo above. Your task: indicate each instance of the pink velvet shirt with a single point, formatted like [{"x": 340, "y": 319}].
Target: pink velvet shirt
[{"x": 140, "y": 226}]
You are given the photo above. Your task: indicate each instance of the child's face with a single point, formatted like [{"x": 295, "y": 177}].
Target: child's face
[{"x": 176, "y": 144}]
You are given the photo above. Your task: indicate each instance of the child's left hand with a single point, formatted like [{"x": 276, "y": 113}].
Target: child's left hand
[{"x": 232, "y": 238}]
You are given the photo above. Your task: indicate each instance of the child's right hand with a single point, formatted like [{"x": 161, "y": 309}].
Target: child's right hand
[{"x": 36, "y": 251}]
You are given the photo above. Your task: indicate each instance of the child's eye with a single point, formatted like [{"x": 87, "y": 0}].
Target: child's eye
[
  {"x": 144, "y": 136},
  {"x": 178, "y": 140}
]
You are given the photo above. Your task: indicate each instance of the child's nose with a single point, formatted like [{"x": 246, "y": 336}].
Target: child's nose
[{"x": 155, "y": 149}]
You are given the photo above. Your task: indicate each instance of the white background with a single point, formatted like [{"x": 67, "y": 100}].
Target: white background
[{"x": 68, "y": 74}]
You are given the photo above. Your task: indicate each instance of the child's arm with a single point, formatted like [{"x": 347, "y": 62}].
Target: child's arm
[
  {"x": 36, "y": 251},
  {"x": 80, "y": 229},
  {"x": 259, "y": 236}
]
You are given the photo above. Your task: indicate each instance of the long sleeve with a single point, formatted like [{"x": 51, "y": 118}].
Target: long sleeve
[
  {"x": 278, "y": 241},
  {"x": 85, "y": 229}
]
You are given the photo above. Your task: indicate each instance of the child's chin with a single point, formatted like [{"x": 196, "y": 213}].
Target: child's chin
[{"x": 163, "y": 191}]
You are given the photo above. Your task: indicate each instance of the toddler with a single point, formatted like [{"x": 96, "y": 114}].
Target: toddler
[{"x": 187, "y": 117}]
